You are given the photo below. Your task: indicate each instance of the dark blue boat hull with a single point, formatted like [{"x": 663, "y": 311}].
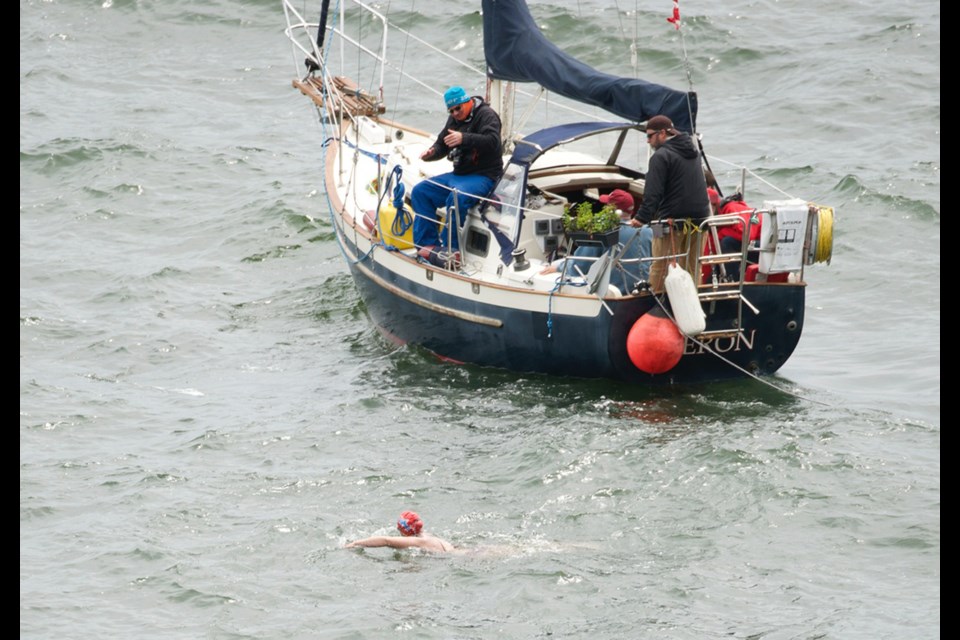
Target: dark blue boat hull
[{"x": 471, "y": 331}]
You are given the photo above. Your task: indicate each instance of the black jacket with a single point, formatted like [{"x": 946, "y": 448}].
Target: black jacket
[
  {"x": 481, "y": 151},
  {"x": 674, "y": 186}
]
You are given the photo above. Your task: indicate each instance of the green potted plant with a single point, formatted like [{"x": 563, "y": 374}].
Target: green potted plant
[{"x": 586, "y": 226}]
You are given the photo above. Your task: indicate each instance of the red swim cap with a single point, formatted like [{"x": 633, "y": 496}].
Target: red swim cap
[{"x": 409, "y": 523}]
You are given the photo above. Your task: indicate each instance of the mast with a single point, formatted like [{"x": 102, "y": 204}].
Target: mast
[{"x": 501, "y": 95}]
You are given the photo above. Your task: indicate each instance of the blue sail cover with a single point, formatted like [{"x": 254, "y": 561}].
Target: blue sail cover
[{"x": 517, "y": 51}]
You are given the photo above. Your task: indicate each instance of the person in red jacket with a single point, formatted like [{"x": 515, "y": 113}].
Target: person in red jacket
[{"x": 731, "y": 236}]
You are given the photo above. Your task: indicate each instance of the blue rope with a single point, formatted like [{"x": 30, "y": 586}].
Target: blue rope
[{"x": 402, "y": 221}]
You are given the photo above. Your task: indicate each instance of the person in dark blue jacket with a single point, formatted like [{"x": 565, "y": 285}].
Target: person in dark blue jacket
[{"x": 470, "y": 139}]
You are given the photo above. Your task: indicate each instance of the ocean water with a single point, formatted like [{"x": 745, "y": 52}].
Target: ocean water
[{"x": 207, "y": 415}]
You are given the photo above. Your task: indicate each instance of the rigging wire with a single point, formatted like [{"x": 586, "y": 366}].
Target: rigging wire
[
  {"x": 326, "y": 120},
  {"x": 688, "y": 68},
  {"x": 403, "y": 54}
]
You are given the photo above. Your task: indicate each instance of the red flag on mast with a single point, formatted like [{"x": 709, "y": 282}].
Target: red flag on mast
[{"x": 675, "y": 18}]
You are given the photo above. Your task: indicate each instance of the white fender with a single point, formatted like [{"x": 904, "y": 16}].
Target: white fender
[{"x": 689, "y": 315}]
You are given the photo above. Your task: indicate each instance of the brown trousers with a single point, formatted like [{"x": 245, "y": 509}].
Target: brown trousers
[{"x": 682, "y": 242}]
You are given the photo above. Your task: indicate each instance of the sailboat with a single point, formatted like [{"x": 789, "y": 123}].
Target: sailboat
[{"x": 497, "y": 303}]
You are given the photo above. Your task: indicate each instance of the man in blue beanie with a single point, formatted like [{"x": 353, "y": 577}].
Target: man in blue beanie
[{"x": 470, "y": 139}]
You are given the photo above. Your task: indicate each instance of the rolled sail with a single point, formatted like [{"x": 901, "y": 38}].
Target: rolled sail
[{"x": 517, "y": 51}]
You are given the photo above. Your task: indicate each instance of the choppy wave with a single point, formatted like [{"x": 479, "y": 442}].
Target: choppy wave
[{"x": 59, "y": 154}]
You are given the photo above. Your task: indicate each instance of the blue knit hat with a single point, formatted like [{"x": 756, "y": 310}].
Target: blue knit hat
[{"x": 454, "y": 96}]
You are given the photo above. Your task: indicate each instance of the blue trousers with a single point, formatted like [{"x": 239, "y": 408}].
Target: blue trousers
[{"x": 437, "y": 192}]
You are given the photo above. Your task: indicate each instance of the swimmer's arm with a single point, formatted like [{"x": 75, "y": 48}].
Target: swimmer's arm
[{"x": 386, "y": 541}]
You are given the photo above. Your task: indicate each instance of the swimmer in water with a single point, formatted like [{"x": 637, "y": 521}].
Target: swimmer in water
[{"x": 410, "y": 527}]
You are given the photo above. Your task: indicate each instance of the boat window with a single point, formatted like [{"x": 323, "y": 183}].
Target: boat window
[
  {"x": 478, "y": 242},
  {"x": 508, "y": 199}
]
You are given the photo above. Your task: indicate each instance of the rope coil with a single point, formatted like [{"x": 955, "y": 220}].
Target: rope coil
[{"x": 823, "y": 249}]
